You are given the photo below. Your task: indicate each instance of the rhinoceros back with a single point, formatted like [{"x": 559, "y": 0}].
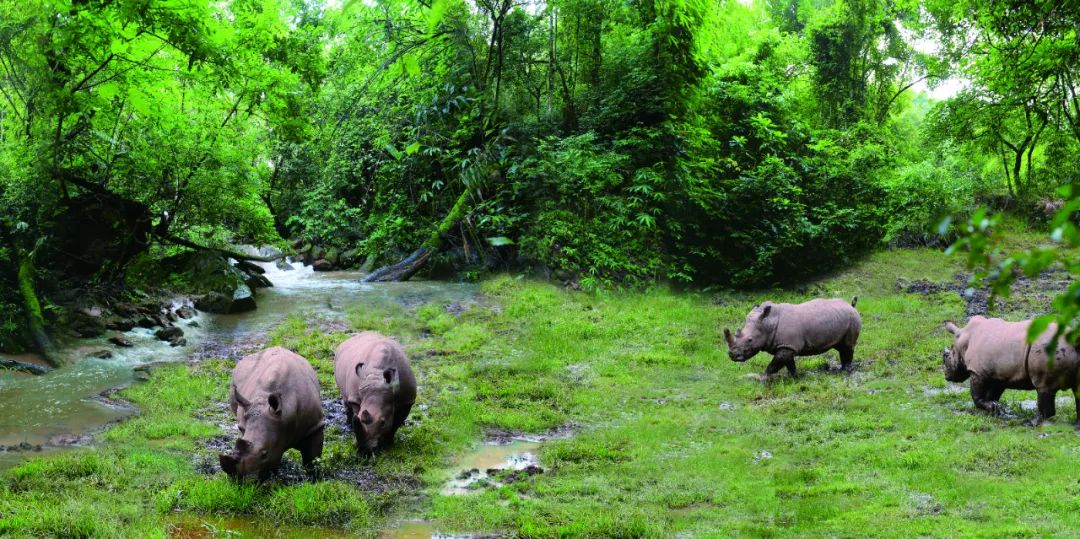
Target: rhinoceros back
[{"x": 816, "y": 326}]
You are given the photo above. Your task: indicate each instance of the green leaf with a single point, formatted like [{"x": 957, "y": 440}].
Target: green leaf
[
  {"x": 107, "y": 91},
  {"x": 411, "y": 65},
  {"x": 499, "y": 241},
  {"x": 1038, "y": 326},
  {"x": 435, "y": 16},
  {"x": 393, "y": 151},
  {"x": 412, "y": 148}
]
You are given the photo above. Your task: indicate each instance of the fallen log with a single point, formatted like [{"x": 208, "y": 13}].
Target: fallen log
[
  {"x": 21, "y": 366},
  {"x": 413, "y": 263},
  {"x": 231, "y": 254}
]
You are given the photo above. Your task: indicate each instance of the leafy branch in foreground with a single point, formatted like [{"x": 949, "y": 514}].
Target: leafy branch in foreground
[{"x": 982, "y": 241}]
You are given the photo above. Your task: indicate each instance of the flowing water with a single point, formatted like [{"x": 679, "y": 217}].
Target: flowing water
[{"x": 54, "y": 408}]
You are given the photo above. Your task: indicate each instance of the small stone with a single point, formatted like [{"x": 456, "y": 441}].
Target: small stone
[
  {"x": 142, "y": 376},
  {"x": 146, "y": 322},
  {"x": 322, "y": 264},
  {"x": 179, "y": 341},
  {"x": 193, "y": 324},
  {"x": 185, "y": 312},
  {"x": 101, "y": 354}
]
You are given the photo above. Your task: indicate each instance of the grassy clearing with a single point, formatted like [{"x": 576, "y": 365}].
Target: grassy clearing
[{"x": 671, "y": 436}]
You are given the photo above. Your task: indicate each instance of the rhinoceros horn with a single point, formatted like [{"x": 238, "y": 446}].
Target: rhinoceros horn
[
  {"x": 239, "y": 398},
  {"x": 727, "y": 337}
]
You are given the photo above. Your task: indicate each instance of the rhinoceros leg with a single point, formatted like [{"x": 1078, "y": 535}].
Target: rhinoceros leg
[
  {"x": 783, "y": 358},
  {"x": 311, "y": 448},
  {"x": 985, "y": 395},
  {"x": 1046, "y": 408},
  {"x": 847, "y": 354}
]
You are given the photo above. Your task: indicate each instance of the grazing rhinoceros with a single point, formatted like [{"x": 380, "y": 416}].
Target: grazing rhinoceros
[
  {"x": 275, "y": 396},
  {"x": 996, "y": 356},
  {"x": 787, "y": 330},
  {"x": 377, "y": 388}
]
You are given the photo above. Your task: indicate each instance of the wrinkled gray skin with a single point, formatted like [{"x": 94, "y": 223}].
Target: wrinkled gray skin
[
  {"x": 275, "y": 396},
  {"x": 788, "y": 330},
  {"x": 995, "y": 355},
  {"x": 377, "y": 388}
]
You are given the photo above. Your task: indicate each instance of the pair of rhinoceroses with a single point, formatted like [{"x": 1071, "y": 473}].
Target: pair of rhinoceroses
[
  {"x": 275, "y": 396},
  {"x": 993, "y": 353}
]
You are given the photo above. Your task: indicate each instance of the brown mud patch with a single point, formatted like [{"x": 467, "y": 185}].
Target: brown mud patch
[
  {"x": 1032, "y": 296},
  {"x": 356, "y": 471}
]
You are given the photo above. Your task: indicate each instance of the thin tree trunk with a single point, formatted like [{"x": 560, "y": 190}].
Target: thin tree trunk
[{"x": 35, "y": 319}]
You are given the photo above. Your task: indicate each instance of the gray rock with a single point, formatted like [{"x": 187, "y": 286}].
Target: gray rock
[
  {"x": 169, "y": 333},
  {"x": 120, "y": 324},
  {"x": 120, "y": 341}
]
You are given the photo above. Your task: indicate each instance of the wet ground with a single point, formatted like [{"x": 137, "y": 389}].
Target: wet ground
[{"x": 1031, "y": 296}]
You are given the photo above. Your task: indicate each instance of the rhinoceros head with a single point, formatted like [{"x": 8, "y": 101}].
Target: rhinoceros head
[
  {"x": 373, "y": 423},
  {"x": 750, "y": 340},
  {"x": 258, "y": 450},
  {"x": 953, "y": 358}
]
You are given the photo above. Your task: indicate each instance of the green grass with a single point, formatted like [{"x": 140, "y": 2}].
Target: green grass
[{"x": 670, "y": 436}]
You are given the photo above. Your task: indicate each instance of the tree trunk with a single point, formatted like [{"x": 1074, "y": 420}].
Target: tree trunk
[
  {"x": 413, "y": 263},
  {"x": 34, "y": 317}
]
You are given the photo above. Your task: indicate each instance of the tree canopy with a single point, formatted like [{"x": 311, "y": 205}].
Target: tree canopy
[{"x": 621, "y": 143}]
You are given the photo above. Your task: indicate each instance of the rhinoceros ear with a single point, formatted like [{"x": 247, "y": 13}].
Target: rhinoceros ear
[
  {"x": 765, "y": 311},
  {"x": 392, "y": 378},
  {"x": 951, "y": 328},
  {"x": 727, "y": 337},
  {"x": 359, "y": 367},
  {"x": 275, "y": 403}
]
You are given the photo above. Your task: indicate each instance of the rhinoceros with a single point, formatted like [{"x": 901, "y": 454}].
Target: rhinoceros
[
  {"x": 788, "y": 330},
  {"x": 377, "y": 387},
  {"x": 996, "y": 356},
  {"x": 275, "y": 396}
]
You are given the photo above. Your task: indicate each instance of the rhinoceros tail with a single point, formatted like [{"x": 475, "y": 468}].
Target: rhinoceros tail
[{"x": 854, "y": 300}]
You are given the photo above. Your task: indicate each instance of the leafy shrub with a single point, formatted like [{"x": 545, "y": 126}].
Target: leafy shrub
[{"x": 920, "y": 195}]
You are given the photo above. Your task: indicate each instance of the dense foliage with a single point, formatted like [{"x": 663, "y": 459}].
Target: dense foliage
[{"x": 613, "y": 143}]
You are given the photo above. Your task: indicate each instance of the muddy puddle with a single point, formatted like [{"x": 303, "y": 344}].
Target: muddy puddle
[
  {"x": 425, "y": 529},
  {"x": 949, "y": 389},
  {"x": 1061, "y": 403},
  {"x": 493, "y": 464},
  {"x": 206, "y": 527}
]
